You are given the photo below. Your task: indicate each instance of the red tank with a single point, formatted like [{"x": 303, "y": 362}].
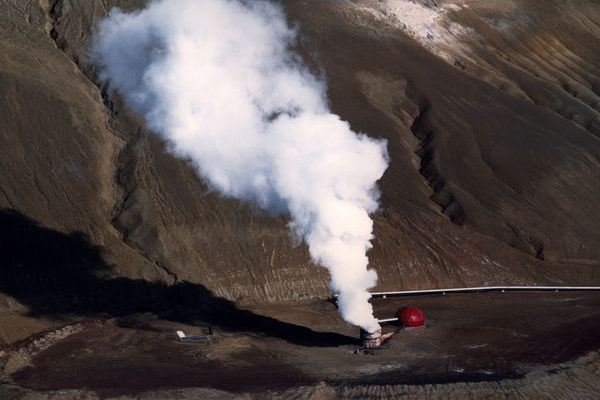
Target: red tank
[{"x": 411, "y": 317}]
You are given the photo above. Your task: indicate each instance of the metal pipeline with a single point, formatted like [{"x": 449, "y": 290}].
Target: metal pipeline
[{"x": 484, "y": 289}]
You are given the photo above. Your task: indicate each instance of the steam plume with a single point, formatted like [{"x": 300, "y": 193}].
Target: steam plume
[{"x": 217, "y": 80}]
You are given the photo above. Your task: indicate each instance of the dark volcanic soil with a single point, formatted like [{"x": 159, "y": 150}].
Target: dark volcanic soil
[
  {"x": 491, "y": 111},
  {"x": 494, "y": 173},
  {"x": 469, "y": 337}
]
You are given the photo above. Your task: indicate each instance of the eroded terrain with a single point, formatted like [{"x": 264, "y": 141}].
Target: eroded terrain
[{"x": 491, "y": 110}]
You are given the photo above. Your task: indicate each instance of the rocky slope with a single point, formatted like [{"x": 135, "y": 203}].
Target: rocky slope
[{"x": 491, "y": 111}]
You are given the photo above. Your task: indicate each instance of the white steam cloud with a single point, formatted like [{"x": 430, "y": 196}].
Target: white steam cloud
[{"x": 217, "y": 80}]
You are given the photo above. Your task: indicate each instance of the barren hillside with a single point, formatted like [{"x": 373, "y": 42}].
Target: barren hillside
[{"x": 491, "y": 110}]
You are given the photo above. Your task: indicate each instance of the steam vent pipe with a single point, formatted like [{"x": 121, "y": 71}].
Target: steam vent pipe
[{"x": 370, "y": 339}]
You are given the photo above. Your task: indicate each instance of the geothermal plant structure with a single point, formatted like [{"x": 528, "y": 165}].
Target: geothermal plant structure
[
  {"x": 412, "y": 317},
  {"x": 371, "y": 340}
]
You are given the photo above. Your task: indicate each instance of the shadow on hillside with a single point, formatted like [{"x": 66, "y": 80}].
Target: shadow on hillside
[{"x": 55, "y": 273}]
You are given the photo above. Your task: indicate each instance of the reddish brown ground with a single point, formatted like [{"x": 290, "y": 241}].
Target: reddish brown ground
[{"x": 469, "y": 337}]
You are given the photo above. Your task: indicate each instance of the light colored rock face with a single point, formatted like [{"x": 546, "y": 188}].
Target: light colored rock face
[
  {"x": 491, "y": 120},
  {"x": 428, "y": 23},
  {"x": 552, "y": 42}
]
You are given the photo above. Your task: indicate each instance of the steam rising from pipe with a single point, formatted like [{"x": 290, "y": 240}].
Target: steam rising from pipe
[{"x": 217, "y": 80}]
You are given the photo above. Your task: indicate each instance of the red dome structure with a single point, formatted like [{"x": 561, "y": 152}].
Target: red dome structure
[{"x": 411, "y": 317}]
